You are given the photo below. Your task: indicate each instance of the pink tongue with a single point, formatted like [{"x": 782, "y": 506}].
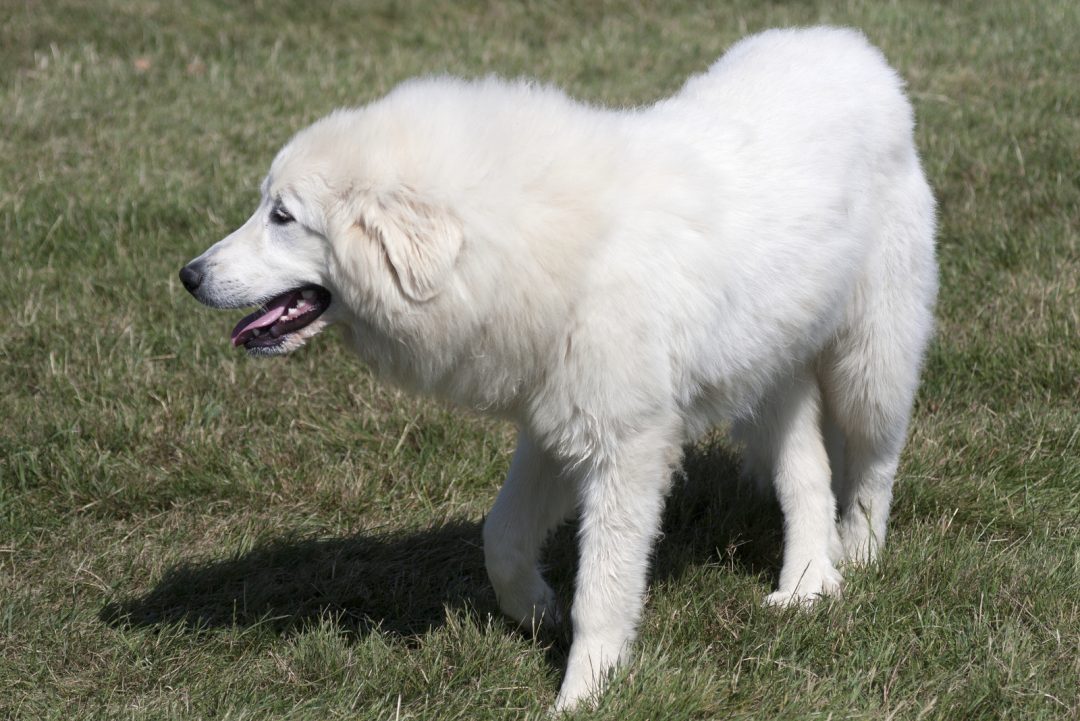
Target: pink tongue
[{"x": 271, "y": 312}]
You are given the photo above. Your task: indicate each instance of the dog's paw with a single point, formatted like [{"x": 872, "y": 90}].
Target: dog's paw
[
  {"x": 861, "y": 544},
  {"x": 570, "y": 700},
  {"x": 535, "y": 611},
  {"x": 816, "y": 580},
  {"x": 573, "y": 699},
  {"x": 790, "y": 599},
  {"x": 589, "y": 670}
]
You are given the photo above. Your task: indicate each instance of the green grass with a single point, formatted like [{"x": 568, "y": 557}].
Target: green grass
[{"x": 185, "y": 533}]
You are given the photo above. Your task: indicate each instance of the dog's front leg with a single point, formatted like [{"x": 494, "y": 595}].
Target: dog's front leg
[
  {"x": 622, "y": 492},
  {"x": 536, "y": 497}
]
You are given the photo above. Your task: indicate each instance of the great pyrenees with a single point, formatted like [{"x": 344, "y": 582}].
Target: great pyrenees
[{"x": 757, "y": 249}]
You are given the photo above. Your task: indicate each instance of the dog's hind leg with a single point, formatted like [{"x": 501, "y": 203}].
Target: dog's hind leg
[
  {"x": 789, "y": 444},
  {"x": 536, "y": 497},
  {"x": 870, "y": 401},
  {"x": 790, "y": 426},
  {"x": 869, "y": 380},
  {"x": 756, "y": 461},
  {"x": 758, "y": 464},
  {"x": 869, "y": 373}
]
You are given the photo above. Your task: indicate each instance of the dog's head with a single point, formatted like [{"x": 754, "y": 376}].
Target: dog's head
[{"x": 340, "y": 235}]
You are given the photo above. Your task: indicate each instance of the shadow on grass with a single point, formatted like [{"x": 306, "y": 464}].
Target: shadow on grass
[
  {"x": 398, "y": 582},
  {"x": 403, "y": 582}
]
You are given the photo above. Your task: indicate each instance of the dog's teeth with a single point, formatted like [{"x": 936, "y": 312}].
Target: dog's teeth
[
  {"x": 257, "y": 332},
  {"x": 307, "y": 294}
]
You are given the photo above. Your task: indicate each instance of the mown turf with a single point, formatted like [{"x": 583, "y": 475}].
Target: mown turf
[{"x": 185, "y": 533}]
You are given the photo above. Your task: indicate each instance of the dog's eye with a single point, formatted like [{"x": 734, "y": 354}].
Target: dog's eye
[{"x": 280, "y": 216}]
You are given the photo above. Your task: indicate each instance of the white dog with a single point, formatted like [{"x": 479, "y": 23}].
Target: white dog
[{"x": 756, "y": 249}]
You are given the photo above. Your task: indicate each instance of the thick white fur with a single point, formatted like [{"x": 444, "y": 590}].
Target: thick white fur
[{"x": 756, "y": 249}]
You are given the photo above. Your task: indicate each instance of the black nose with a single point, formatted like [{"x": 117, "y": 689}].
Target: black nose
[{"x": 191, "y": 276}]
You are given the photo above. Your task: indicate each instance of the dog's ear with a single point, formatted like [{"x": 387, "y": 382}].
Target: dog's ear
[{"x": 421, "y": 240}]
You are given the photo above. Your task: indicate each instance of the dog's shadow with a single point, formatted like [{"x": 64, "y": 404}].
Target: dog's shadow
[{"x": 405, "y": 583}]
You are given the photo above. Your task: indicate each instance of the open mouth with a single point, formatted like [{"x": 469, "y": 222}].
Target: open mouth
[{"x": 270, "y": 326}]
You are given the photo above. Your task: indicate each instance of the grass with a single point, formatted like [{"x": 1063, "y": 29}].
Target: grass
[{"x": 185, "y": 533}]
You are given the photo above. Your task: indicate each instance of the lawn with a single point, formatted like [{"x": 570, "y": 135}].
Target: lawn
[{"x": 188, "y": 533}]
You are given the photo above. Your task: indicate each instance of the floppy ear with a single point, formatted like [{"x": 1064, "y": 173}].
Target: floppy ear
[{"x": 420, "y": 240}]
